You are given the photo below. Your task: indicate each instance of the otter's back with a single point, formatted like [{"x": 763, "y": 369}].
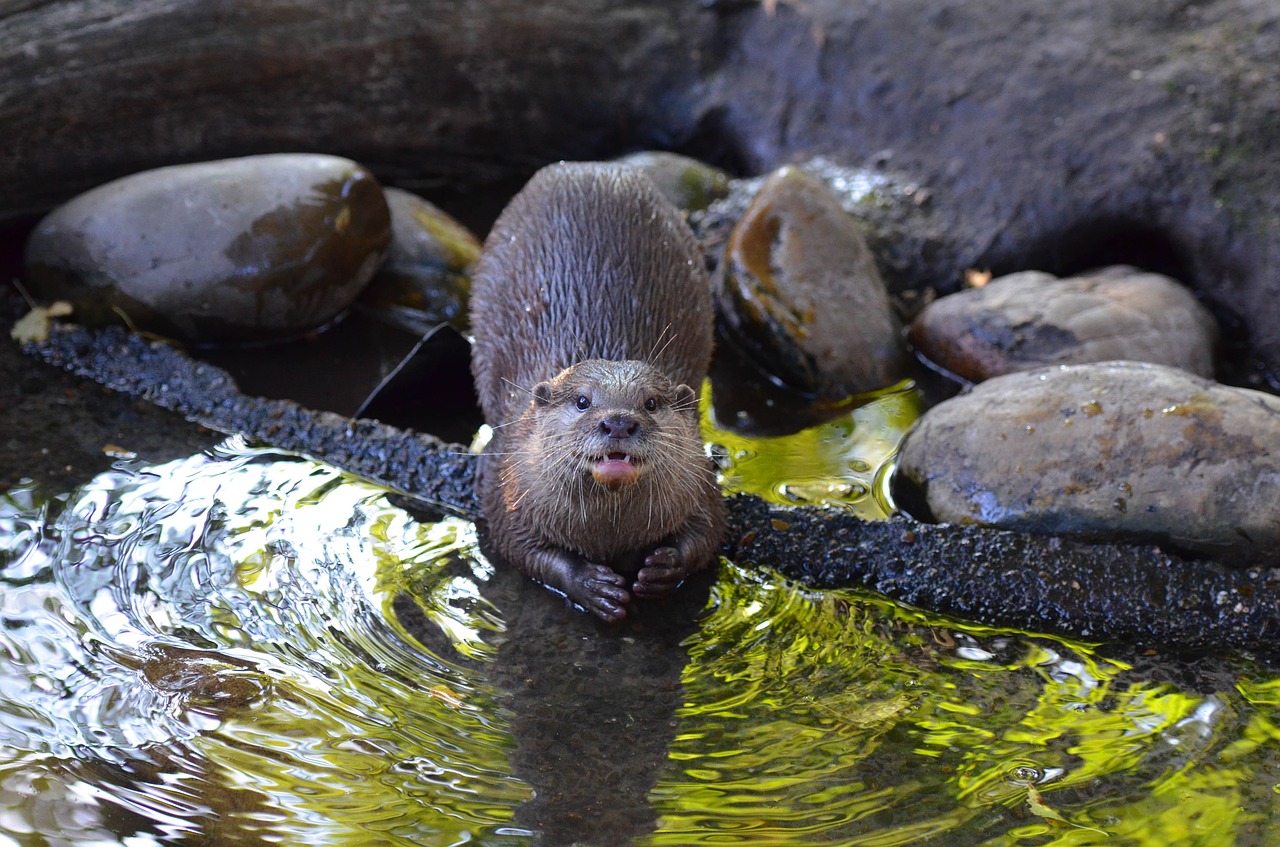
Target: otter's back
[{"x": 588, "y": 261}]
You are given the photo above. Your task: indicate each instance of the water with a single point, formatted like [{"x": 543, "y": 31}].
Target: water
[
  {"x": 251, "y": 648},
  {"x": 846, "y": 463},
  {"x": 205, "y": 644}
]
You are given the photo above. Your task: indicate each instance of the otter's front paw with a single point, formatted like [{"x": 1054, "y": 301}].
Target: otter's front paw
[
  {"x": 601, "y": 592},
  {"x": 662, "y": 573}
]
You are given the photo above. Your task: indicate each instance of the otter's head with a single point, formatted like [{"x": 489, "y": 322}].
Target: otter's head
[{"x": 615, "y": 421}]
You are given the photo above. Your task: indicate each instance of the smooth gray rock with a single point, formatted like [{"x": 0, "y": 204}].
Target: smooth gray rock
[
  {"x": 1108, "y": 450},
  {"x": 249, "y": 249},
  {"x": 1031, "y": 319}
]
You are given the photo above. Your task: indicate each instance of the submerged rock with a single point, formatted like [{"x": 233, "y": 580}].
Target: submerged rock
[
  {"x": 690, "y": 185},
  {"x": 428, "y": 266},
  {"x": 247, "y": 249},
  {"x": 1109, "y": 450},
  {"x": 1031, "y": 319},
  {"x": 800, "y": 298}
]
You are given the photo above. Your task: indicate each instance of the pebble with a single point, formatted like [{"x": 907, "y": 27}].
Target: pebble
[
  {"x": 428, "y": 266},
  {"x": 689, "y": 184}
]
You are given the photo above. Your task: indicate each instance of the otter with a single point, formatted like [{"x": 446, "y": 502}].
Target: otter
[{"x": 593, "y": 329}]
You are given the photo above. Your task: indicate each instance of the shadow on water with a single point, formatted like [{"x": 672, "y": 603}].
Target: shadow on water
[{"x": 246, "y": 648}]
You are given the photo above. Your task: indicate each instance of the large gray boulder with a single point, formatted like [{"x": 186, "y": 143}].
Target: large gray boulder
[{"x": 1110, "y": 451}]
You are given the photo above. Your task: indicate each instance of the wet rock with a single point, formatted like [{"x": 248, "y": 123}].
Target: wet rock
[
  {"x": 428, "y": 266},
  {"x": 892, "y": 212},
  {"x": 690, "y": 185},
  {"x": 1031, "y": 319},
  {"x": 1108, "y": 450},
  {"x": 800, "y": 299},
  {"x": 248, "y": 249}
]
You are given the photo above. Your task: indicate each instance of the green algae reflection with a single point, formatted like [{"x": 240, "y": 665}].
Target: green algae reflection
[
  {"x": 210, "y": 652},
  {"x": 845, "y": 463},
  {"x": 840, "y": 718}
]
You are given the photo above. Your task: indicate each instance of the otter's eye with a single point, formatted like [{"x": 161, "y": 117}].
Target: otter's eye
[
  {"x": 651, "y": 405},
  {"x": 583, "y": 403}
]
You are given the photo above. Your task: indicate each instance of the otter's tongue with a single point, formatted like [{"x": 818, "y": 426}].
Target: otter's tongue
[{"x": 615, "y": 469}]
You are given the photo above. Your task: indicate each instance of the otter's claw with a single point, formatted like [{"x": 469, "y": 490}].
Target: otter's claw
[
  {"x": 662, "y": 574},
  {"x": 601, "y": 592}
]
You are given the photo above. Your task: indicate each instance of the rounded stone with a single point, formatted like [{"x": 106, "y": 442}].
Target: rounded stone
[
  {"x": 428, "y": 267},
  {"x": 249, "y": 249},
  {"x": 1107, "y": 450},
  {"x": 800, "y": 296},
  {"x": 689, "y": 184},
  {"x": 1032, "y": 319}
]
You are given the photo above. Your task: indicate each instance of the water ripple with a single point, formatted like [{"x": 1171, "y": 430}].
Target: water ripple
[
  {"x": 247, "y": 647},
  {"x": 213, "y": 632}
]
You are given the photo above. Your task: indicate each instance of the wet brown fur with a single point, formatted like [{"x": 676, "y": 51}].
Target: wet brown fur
[{"x": 591, "y": 286}]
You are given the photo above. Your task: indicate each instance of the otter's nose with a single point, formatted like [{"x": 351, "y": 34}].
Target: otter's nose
[{"x": 619, "y": 426}]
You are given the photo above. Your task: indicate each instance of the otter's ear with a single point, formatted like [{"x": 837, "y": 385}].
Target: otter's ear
[
  {"x": 542, "y": 394},
  {"x": 685, "y": 398}
]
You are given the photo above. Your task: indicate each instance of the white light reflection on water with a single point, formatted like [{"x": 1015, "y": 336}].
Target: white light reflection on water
[
  {"x": 205, "y": 652},
  {"x": 198, "y": 648}
]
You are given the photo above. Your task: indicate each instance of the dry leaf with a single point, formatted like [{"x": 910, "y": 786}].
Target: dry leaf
[
  {"x": 34, "y": 326},
  {"x": 1035, "y": 803},
  {"x": 974, "y": 278}
]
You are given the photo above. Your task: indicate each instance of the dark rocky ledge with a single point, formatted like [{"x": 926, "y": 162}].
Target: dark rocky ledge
[
  {"x": 1056, "y": 136},
  {"x": 438, "y": 476},
  {"x": 1133, "y": 594}
]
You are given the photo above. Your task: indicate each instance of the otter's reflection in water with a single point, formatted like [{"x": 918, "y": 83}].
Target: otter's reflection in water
[{"x": 250, "y": 648}]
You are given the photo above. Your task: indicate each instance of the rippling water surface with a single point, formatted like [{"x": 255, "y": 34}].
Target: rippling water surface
[
  {"x": 248, "y": 647},
  {"x": 202, "y": 648}
]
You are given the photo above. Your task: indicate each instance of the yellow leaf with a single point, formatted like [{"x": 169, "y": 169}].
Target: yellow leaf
[
  {"x": 974, "y": 278},
  {"x": 34, "y": 326},
  {"x": 1035, "y": 803}
]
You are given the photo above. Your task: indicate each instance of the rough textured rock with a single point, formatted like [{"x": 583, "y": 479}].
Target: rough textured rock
[
  {"x": 1032, "y": 319},
  {"x": 1106, "y": 592},
  {"x": 428, "y": 265},
  {"x": 247, "y": 249},
  {"x": 436, "y": 475},
  {"x": 1110, "y": 450}
]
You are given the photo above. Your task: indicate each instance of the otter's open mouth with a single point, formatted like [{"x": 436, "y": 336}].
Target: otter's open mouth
[{"x": 615, "y": 468}]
